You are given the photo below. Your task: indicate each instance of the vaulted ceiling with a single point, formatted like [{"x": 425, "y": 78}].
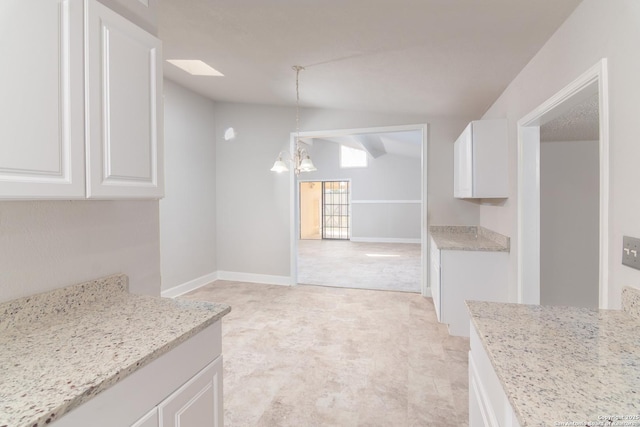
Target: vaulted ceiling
[{"x": 445, "y": 58}]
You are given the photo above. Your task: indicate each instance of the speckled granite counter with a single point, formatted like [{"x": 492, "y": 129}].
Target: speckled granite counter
[
  {"x": 468, "y": 238},
  {"x": 59, "y": 349},
  {"x": 560, "y": 364}
]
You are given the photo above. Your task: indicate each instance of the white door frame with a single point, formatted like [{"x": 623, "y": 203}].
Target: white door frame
[
  {"x": 293, "y": 194},
  {"x": 594, "y": 80}
]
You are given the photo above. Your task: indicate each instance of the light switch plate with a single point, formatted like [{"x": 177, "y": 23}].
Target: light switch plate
[{"x": 631, "y": 252}]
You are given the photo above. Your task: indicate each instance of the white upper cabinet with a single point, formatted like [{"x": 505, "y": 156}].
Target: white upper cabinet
[
  {"x": 124, "y": 86},
  {"x": 80, "y": 111},
  {"x": 480, "y": 161},
  {"x": 42, "y": 103}
]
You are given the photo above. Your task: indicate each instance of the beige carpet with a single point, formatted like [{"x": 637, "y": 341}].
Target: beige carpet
[
  {"x": 342, "y": 263},
  {"x": 316, "y": 356}
]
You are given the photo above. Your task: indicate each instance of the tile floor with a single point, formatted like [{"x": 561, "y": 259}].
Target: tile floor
[
  {"x": 320, "y": 356},
  {"x": 342, "y": 263}
]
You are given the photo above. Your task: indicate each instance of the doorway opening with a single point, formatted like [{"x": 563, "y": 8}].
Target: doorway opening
[
  {"x": 325, "y": 210},
  {"x": 376, "y": 222},
  {"x": 563, "y": 196},
  {"x": 311, "y": 210}
]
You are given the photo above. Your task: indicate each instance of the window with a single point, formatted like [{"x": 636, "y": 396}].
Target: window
[
  {"x": 352, "y": 157},
  {"x": 336, "y": 216}
]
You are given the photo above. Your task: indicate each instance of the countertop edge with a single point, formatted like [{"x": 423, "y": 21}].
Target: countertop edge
[
  {"x": 468, "y": 238},
  {"x": 132, "y": 368},
  {"x": 74, "y": 302},
  {"x": 509, "y": 391},
  {"x": 487, "y": 350}
]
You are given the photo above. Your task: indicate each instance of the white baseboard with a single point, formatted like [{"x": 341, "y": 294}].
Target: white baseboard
[
  {"x": 265, "y": 279},
  {"x": 427, "y": 293},
  {"x": 190, "y": 285},
  {"x": 384, "y": 240}
]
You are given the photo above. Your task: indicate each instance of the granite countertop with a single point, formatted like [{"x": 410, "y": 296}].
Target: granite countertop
[
  {"x": 59, "y": 349},
  {"x": 468, "y": 238},
  {"x": 563, "y": 364}
]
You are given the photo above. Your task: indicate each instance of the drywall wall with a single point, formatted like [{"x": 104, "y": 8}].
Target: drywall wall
[
  {"x": 188, "y": 211},
  {"x": 387, "y": 178},
  {"x": 253, "y": 226},
  {"x": 569, "y": 223},
  {"x": 48, "y": 245},
  {"x": 596, "y": 29},
  {"x": 387, "y": 222}
]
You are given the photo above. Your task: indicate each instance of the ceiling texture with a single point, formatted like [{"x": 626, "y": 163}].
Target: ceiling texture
[
  {"x": 580, "y": 123},
  {"x": 438, "y": 58}
]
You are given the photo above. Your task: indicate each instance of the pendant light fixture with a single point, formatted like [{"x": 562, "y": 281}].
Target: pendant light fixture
[{"x": 301, "y": 160}]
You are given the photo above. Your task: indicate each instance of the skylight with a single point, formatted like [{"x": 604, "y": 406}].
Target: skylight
[{"x": 195, "y": 67}]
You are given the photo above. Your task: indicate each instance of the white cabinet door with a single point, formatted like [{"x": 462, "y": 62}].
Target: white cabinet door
[
  {"x": 488, "y": 403},
  {"x": 490, "y": 159},
  {"x": 198, "y": 403},
  {"x": 149, "y": 420},
  {"x": 42, "y": 104},
  {"x": 124, "y": 87},
  {"x": 463, "y": 164},
  {"x": 480, "y": 161}
]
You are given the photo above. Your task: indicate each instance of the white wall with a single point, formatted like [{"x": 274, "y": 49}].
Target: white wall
[
  {"x": 389, "y": 177},
  {"x": 47, "y": 245},
  {"x": 569, "y": 223},
  {"x": 253, "y": 203},
  {"x": 188, "y": 211},
  {"x": 387, "y": 222},
  {"x": 595, "y": 30}
]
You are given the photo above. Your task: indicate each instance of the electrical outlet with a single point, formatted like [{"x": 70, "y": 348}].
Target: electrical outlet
[{"x": 631, "y": 252}]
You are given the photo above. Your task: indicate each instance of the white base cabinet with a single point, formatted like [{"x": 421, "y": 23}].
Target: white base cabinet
[
  {"x": 181, "y": 388},
  {"x": 435, "y": 281},
  {"x": 488, "y": 403},
  {"x": 457, "y": 276},
  {"x": 149, "y": 420},
  {"x": 197, "y": 403}
]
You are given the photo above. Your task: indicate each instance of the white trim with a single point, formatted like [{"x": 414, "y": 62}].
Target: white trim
[
  {"x": 293, "y": 194},
  {"x": 323, "y": 180},
  {"x": 603, "y": 91},
  {"x": 189, "y": 286},
  {"x": 424, "y": 229},
  {"x": 362, "y": 202},
  {"x": 384, "y": 240},
  {"x": 346, "y": 132},
  {"x": 528, "y": 133},
  {"x": 265, "y": 279}
]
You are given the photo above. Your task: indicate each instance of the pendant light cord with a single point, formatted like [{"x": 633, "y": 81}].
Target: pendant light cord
[{"x": 297, "y": 68}]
